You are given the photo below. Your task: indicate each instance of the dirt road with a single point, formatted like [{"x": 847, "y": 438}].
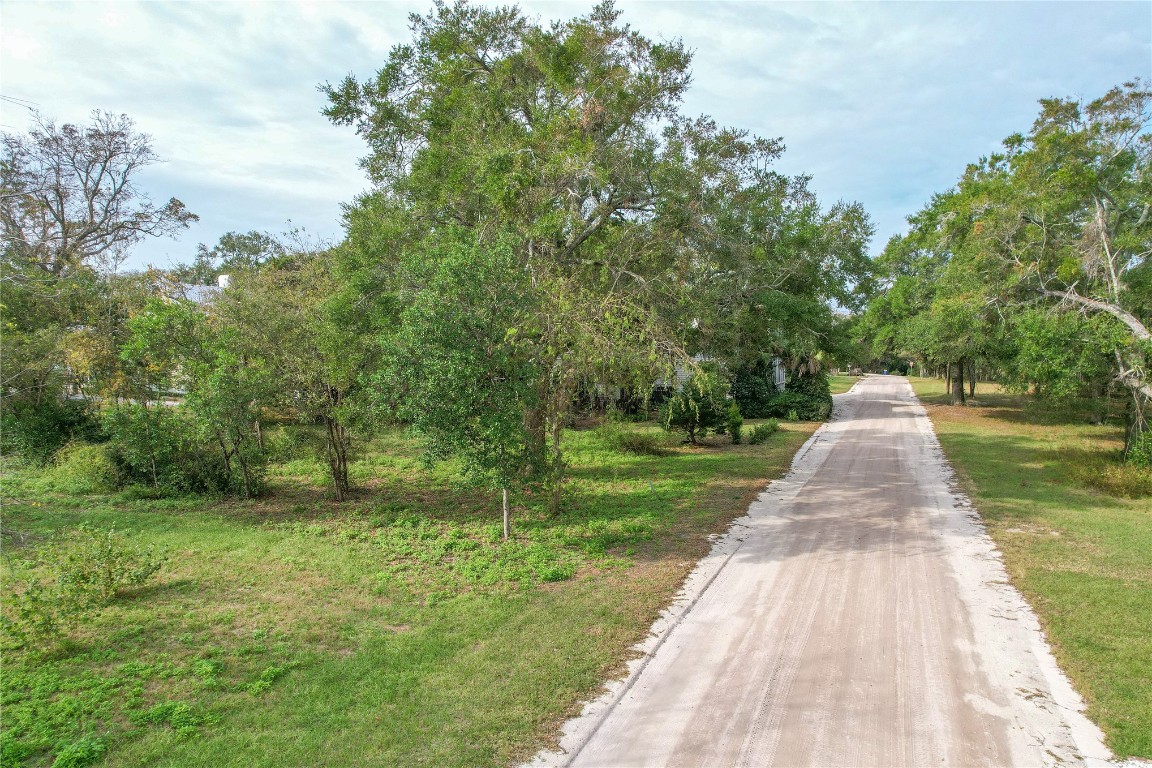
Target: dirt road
[{"x": 858, "y": 616}]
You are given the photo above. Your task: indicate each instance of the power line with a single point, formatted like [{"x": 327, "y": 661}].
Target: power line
[{"x": 26, "y": 103}]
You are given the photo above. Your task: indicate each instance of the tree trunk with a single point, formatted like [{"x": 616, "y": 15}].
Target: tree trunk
[
  {"x": 227, "y": 457},
  {"x": 507, "y": 523},
  {"x": 972, "y": 379},
  {"x": 958, "y": 383},
  {"x": 535, "y": 425},
  {"x": 246, "y": 475},
  {"x": 1137, "y": 421},
  {"x": 1102, "y": 402},
  {"x": 337, "y": 449}
]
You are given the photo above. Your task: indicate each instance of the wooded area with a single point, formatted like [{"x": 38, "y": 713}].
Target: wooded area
[
  {"x": 1033, "y": 270},
  {"x": 547, "y": 233}
]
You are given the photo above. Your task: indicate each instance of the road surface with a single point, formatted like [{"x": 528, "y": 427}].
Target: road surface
[{"x": 858, "y": 616}]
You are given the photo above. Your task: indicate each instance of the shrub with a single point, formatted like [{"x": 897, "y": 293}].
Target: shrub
[
  {"x": 807, "y": 397},
  {"x": 286, "y": 444},
  {"x": 202, "y": 470},
  {"x": 250, "y": 465},
  {"x": 1123, "y": 480},
  {"x": 34, "y": 433},
  {"x": 85, "y": 468},
  {"x": 697, "y": 407},
  {"x": 734, "y": 422},
  {"x": 86, "y": 570},
  {"x": 34, "y": 615},
  {"x": 97, "y": 564},
  {"x": 1139, "y": 453},
  {"x": 149, "y": 442},
  {"x": 753, "y": 388},
  {"x": 161, "y": 447},
  {"x": 761, "y": 432},
  {"x": 642, "y": 443}
]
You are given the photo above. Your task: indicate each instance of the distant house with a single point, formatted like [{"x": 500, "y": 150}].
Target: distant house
[
  {"x": 202, "y": 295},
  {"x": 682, "y": 374},
  {"x": 779, "y": 374}
]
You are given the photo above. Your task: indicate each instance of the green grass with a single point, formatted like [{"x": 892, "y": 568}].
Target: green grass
[
  {"x": 1057, "y": 502},
  {"x": 394, "y": 629},
  {"x": 842, "y": 383}
]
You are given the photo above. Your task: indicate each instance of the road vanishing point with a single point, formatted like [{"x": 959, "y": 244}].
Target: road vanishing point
[{"x": 859, "y": 615}]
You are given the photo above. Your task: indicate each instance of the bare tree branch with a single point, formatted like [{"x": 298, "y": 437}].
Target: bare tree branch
[{"x": 68, "y": 195}]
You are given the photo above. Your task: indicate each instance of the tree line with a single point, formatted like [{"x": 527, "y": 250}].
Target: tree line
[
  {"x": 545, "y": 227},
  {"x": 1033, "y": 269}
]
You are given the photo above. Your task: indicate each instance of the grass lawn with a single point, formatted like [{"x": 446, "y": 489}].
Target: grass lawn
[
  {"x": 1075, "y": 528},
  {"x": 394, "y": 629},
  {"x": 840, "y": 384}
]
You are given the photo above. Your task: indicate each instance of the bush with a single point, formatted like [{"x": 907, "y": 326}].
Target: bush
[
  {"x": 202, "y": 470},
  {"x": 85, "y": 468},
  {"x": 734, "y": 422},
  {"x": 1122, "y": 480},
  {"x": 761, "y": 432},
  {"x": 160, "y": 447},
  {"x": 753, "y": 388},
  {"x": 286, "y": 444},
  {"x": 625, "y": 439},
  {"x": 643, "y": 443},
  {"x": 149, "y": 442},
  {"x": 98, "y": 563},
  {"x": 1139, "y": 453},
  {"x": 806, "y": 397},
  {"x": 697, "y": 407},
  {"x": 86, "y": 570},
  {"x": 35, "y": 433}
]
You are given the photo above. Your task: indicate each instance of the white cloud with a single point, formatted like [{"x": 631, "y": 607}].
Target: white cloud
[
  {"x": 881, "y": 102},
  {"x": 19, "y": 45}
]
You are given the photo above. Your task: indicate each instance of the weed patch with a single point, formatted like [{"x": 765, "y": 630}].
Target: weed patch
[{"x": 83, "y": 570}]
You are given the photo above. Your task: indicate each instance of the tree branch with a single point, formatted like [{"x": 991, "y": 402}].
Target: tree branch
[{"x": 1134, "y": 325}]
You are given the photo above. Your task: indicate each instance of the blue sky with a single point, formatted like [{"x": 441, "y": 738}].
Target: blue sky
[{"x": 880, "y": 102}]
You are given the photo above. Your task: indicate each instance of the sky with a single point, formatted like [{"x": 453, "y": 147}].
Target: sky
[{"x": 883, "y": 103}]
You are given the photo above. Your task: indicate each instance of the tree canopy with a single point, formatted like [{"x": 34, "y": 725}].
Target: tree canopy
[
  {"x": 70, "y": 195},
  {"x": 1056, "y": 223},
  {"x": 645, "y": 236}
]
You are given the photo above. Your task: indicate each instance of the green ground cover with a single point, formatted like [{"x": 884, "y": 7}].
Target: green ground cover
[
  {"x": 840, "y": 384},
  {"x": 394, "y": 629},
  {"x": 1075, "y": 528}
]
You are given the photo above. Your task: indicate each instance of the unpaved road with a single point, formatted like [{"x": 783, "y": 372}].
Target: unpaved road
[{"x": 858, "y": 616}]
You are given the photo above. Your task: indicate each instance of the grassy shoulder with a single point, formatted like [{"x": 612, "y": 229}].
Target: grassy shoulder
[
  {"x": 395, "y": 628},
  {"x": 841, "y": 383},
  {"x": 1075, "y": 529}
]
